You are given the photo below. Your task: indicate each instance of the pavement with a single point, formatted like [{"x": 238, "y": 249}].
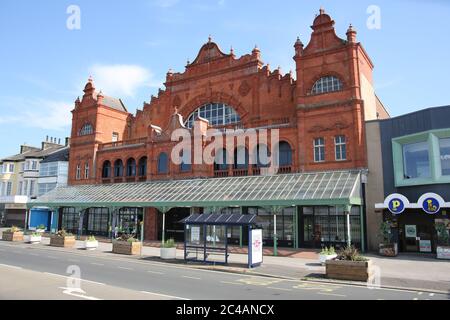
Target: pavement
[
  {"x": 44, "y": 272},
  {"x": 421, "y": 273}
]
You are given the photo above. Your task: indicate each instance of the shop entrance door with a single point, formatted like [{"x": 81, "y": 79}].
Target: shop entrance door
[{"x": 416, "y": 232}]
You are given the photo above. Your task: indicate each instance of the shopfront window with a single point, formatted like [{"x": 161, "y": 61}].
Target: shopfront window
[
  {"x": 128, "y": 221},
  {"x": 324, "y": 225},
  {"x": 70, "y": 220},
  {"x": 285, "y": 224},
  {"x": 444, "y": 147},
  {"x": 98, "y": 221},
  {"x": 416, "y": 162}
]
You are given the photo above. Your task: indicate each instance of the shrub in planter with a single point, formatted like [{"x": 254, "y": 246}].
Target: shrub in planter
[
  {"x": 62, "y": 239},
  {"x": 41, "y": 228},
  {"x": 327, "y": 254},
  {"x": 349, "y": 265},
  {"x": 14, "y": 234},
  {"x": 90, "y": 243},
  {"x": 33, "y": 238},
  {"x": 387, "y": 247},
  {"x": 443, "y": 242},
  {"x": 169, "y": 250},
  {"x": 127, "y": 245}
]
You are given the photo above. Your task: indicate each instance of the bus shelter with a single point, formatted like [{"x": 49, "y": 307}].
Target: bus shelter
[{"x": 205, "y": 235}]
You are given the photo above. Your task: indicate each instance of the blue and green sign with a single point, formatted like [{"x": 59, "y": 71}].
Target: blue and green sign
[{"x": 431, "y": 203}]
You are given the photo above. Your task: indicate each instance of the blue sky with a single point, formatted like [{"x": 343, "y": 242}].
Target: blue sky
[{"x": 128, "y": 46}]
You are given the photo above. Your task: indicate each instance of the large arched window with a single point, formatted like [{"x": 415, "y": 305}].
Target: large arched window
[
  {"x": 327, "y": 84},
  {"x": 131, "y": 167},
  {"x": 118, "y": 168},
  {"x": 285, "y": 154},
  {"x": 221, "y": 160},
  {"x": 163, "y": 163},
  {"x": 86, "y": 130},
  {"x": 218, "y": 114},
  {"x": 143, "y": 166},
  {"x": 261, "y": 156},
  {"x": 106, "y": 171},
  {"x": 185, "y": 162},
  {"x": 240, "y": 158}
]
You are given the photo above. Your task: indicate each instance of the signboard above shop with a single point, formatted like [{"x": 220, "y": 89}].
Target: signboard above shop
[{"x": 430, "y": 203}]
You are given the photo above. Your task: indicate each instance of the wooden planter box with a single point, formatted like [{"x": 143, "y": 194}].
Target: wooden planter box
[
  {"x": 124, "y": 247},
  {"x": 12, "y": 236},
  {"x": 349, "y": 270},
  {"x": 63, "y": 242}
]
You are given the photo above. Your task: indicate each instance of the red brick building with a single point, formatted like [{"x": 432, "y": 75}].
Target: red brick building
[{"x": 320, "y": 113}]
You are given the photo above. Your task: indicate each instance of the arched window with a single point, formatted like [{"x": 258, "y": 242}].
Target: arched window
[
  {"x": 143, "y": 166},
  {"x": 86, "y": 130},
  {"x": 106, "y": 171},
  {"x": 131, "y": 167},
  {"x": 327, "y": 84},
  {"x": 163, "y": 163},
  {"x": 221, "y": 160},
  {"x": 185, "y": 162},
  {"x": 285, "y": 154},
  {"x": 261, "y": 156},
  {"x": 118, "y": 168},
  {"x": 218, "y": 114},
  {"x": 240, "y": 158}
]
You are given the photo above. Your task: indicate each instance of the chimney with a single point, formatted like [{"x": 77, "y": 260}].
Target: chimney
[{"x": 67, "y": 142}]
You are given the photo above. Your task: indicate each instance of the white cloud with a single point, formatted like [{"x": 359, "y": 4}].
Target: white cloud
[
  {"x": 122, "y": 80},
  {"x": 38, "y": 113}
]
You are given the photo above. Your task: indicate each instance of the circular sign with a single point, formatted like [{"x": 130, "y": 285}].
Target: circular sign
[
  {"x": 396, "y": 205},
  {"x": 431, "y": 205}
]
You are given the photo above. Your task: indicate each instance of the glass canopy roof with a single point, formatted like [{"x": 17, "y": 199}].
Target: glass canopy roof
[{"x": 319, "y": 188}]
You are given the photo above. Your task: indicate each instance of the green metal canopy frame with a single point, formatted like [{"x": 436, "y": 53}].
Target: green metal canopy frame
[{"x": 318, "y": 188}]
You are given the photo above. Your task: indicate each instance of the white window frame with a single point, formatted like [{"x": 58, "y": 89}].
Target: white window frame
[
  {"x": 9, "y": 188},
  {"x": 320, "y": 147},
  {"x": 86, "y": 171},
  {"x": 339, "y": 144},
  {"x": 78, "y": 172},
  {"x": 115, "y": 137}
]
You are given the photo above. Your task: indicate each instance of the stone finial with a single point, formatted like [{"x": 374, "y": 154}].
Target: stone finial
[
  {"x": 321, "y": 10},
  {"x": 351, "y": 34}
]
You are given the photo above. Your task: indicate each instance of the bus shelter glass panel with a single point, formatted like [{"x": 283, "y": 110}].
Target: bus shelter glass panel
[
  {"x": 216, "y": 243},
  {"x": 195, "y": 242}
]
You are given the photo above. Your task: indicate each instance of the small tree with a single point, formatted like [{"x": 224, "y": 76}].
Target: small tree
[
  {"x": 385, "y": 232},
  {"x": 442, "y": 234}
]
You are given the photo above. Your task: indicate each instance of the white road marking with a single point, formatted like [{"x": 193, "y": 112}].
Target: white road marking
[
  {"x": 73, "y": 260},
  {"x": 34, "y": 254},
  {"x": 165, "y": 295},
  {"x": 155, "y": 272},
  {"x": 51, "y": 257},
  {"x": 62, "y": 276},
  {"x": 97, "y": 264},
  {"x": 275, "y": 288},
  {"x": 331, "y": 294},
  {"x": 420, "y": 293},
  {"x": 8, "y": 266},
  {"x": 195, "y": 278},
  {"x": 77, "y": 293},
  {"x": 431, "y": 294},
  {"x": 124, "y": 268},
  {"x": 229, "y": 282}
]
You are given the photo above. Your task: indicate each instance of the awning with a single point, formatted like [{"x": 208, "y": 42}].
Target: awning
[
  {"x": 319, "y": 188},
  {"x": 226, "y": 219}
]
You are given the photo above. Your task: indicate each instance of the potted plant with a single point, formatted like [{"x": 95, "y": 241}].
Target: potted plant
[
  {"x": 14, "y": 234},
  {"x": 62, "y": 239},
  {"x": 327, "y": 254},
  {"x": 33, "y": 237},
  {"x": 387, "y": 247},
  {"x": 90, "y": 243},
  {"x": 349, "y": 265},
  {"x": 127, "y": 244},
  {"x": 41, "y": 228},
  {"x": 169, "y": 250},
  {"x": 443, "y": 242}
]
